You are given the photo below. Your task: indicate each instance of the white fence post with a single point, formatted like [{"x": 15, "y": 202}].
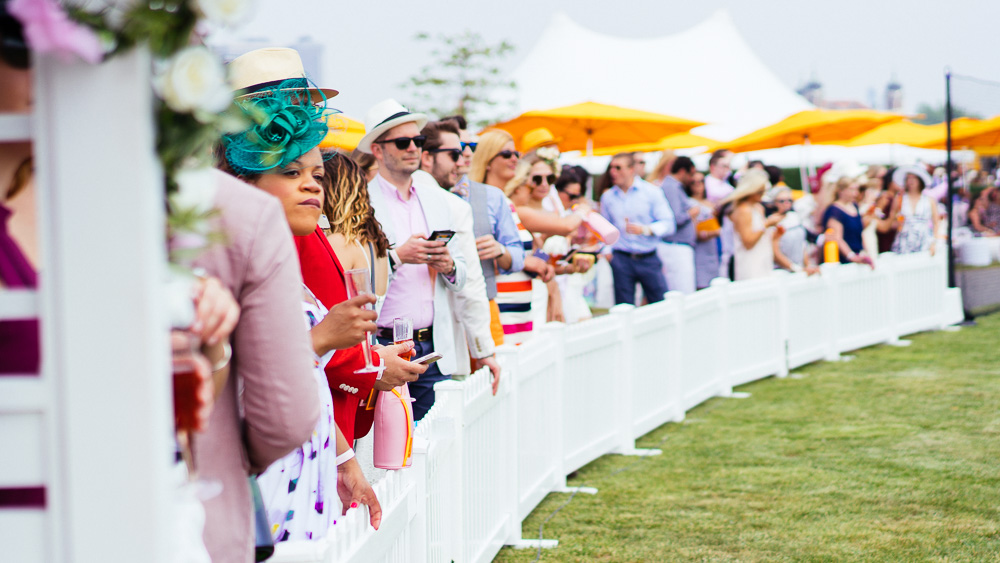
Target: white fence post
[
  {"x": 675, "y": 355},
  {"x": 783, "y": 278},
  {"x": 829, "y": 272},
  {"x": 725, "y": 389},
  {"x": 105, "y": 324},
  {"x": 623, "y": 382}
]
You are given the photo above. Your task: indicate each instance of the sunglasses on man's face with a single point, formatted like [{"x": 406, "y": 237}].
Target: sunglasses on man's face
[
  {"x": 470, "y": 146},
  {"x": 782, "y": 201},
  {"x": 403, "y": 143},
  {"x": 508, "y": 154},
  {"x": 454, "y": 153},
  {"x": 537, "y": 179},
  {"x": 617, "y": 167}
]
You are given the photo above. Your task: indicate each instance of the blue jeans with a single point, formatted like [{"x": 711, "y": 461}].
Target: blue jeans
[{"x": 422, "y": 389}]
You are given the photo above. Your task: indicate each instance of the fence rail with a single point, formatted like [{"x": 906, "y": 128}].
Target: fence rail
[{"x": 575, "y": 393}]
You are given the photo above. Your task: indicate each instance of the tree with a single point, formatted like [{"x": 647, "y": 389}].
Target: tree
[
  {"x": 462, "y": 79},
  {"x": 936, "y": 114}
]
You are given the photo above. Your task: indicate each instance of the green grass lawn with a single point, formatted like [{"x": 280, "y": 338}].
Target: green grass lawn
[{"x": 894, "y": 456}]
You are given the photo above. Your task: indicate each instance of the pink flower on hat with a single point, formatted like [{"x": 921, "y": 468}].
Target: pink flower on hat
[{"x": 48, "y": 29}]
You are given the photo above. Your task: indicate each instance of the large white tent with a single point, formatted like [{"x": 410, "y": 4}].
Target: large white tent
[{"x": 707, "y": 73}]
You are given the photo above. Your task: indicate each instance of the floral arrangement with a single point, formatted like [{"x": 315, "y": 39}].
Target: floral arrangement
[
  {"x": 194, "y": 101},
  {"x": 550, "y": 154}
]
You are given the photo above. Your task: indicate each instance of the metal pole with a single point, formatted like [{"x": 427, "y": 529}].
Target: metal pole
[{"x": 948, "y": 167}]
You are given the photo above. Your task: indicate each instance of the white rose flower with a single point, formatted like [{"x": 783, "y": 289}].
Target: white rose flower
[
  {"x": 195, "y": 190},
  {"x": 194, "y": 80},
  {"x": 226, "y": 12}
]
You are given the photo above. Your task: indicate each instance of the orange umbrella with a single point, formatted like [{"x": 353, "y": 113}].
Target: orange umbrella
[
  {"x": 591, "y": 125},
  {"x": 814, "y": 126},
  {"x": 675, "y": 141}
]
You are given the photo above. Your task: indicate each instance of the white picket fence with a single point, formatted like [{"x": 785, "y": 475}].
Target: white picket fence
[{"x": 574, "y": 393}]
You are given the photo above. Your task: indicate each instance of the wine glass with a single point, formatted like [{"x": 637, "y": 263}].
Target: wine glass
[{"x": 359, "y": 282}]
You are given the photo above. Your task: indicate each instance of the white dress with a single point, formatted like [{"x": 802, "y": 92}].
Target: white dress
[
  {"x": 300, "y": 489},
  {"x": 917, "y": 232},
  {"x": 757, "y": 261}
]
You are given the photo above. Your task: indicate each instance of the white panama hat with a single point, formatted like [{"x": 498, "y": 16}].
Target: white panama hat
[
  {"x": 384, "y": 116},
  {"x": 899, "y": 176},
  {"x": 264, "y": 68}
]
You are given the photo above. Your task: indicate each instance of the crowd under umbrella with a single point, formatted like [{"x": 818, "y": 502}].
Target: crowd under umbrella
[
  {"x": 685, "y": 140},
  {"x": 814, "y": 126},
  {"x": 590, "y": 125}
]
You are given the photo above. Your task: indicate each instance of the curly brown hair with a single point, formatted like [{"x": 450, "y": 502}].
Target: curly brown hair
[{"x": 347, "y": 206}]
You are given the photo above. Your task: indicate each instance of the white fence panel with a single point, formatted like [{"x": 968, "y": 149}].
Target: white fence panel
[
  {"x": 807, "y": 327},
  {"x": 487, "y": 479},
  {"x": 656, "y": 366},
  {"x": 352, "y": 539},
  {"x": 861, "y": 305},
  {"x": 534, "y": 373},
  {"x": 917, "y": 297},
  {"x": 591, "y": 390},
  {"x": 703, "y": 343},
  {"x": 441, "y": 495},
  {"x": 755, "y": 346}
]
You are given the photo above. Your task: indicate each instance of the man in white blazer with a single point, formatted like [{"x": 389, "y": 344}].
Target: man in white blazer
[
  {"x": 470, "y": 306},
  {"x": 424, "y": 271}
]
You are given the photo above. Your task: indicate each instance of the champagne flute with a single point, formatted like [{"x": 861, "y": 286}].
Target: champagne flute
[
  {"x": 359, "y": 283},
  {"x": 402, "y": 331}
]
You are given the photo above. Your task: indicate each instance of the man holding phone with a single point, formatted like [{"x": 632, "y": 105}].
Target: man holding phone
[
  {"x": 439, "y": 167},
  {"x": 424, "y": 272}
]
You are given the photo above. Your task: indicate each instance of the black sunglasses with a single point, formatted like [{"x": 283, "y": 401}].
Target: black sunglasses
[
  {"x": 617, "y": 167},
  {"x": 508, "y": 154},
  {"x": 455, "y": 153},
  {"x": 403, "y": 143},
  {"x": 469, "y": 145},
  {"x": 537, "y": 179}
]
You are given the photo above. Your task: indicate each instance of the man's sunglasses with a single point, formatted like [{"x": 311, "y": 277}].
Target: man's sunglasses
[
  {"x": 782, "y": 201},
  {"x": 454, "y": 153},
  {"x": 508, "y": 154},
  {"x": 537, "y": 179},
  {"x": 617, "y": 167},
  {"x": 403, "y": 143},
  {"x": 471, "y": 146}
]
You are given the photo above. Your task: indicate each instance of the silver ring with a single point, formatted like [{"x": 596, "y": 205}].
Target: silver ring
[{"x": 428, "y": 258}]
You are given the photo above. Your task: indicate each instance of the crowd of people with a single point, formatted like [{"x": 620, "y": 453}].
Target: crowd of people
[
  {"x": 682, "y": 228},
  {"x": 468, "y": 241}
]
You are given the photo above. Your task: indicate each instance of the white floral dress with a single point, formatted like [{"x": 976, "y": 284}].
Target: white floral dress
[{"x": 300, "y": 489}]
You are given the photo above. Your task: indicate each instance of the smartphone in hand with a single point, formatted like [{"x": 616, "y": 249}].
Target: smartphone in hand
[
  {"x": 428, "y": 359},
  {"x": 442, "y": 235}
]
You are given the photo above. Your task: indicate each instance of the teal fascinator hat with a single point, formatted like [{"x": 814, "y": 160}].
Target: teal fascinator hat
[{"x": 284, "y": 125}]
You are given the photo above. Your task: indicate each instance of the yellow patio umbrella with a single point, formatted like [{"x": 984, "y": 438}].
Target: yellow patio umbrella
[
  {"x": 970, "y": 133},
  {"x": 345, "y": 133},
  {"x": 903, "y": 132},
  {"x": 814, "y": 126},
  {"x": 676, "y": 141},
  {"x": 591, "y": 125}
]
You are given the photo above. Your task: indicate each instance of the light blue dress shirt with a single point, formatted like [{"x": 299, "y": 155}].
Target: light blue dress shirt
[{"x": 642, "y": 204}]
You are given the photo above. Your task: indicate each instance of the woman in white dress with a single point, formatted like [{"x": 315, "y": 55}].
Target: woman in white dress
[
  {"x": 752, "y": 244},
  {"x": 915, "y": 211}
]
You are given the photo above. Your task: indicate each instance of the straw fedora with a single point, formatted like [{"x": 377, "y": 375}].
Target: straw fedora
[
  {"x": 257, "y": 70},
  {"x": 384, "y": 116},
  {"x": 751, "y": 182},
  {"x": 537, "y": 138},
  {"x": 899, "y": 176}
]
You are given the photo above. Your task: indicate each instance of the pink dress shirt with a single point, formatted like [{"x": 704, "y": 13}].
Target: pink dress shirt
[{"x": 411, "y": 293}]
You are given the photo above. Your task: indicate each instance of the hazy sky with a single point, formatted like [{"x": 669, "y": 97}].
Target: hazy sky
[{"x": 851, "y": 46}]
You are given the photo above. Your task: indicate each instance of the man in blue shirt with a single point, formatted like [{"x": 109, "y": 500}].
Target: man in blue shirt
[
  {"x": 677, "y": 250},
  {"x": 643, "y": 216}
]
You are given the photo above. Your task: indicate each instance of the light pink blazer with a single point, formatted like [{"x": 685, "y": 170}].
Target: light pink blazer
[{"x": 270, "y": 404}]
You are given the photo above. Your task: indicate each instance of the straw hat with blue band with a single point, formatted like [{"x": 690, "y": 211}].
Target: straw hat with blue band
[{"x": 261, "y": 70}]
